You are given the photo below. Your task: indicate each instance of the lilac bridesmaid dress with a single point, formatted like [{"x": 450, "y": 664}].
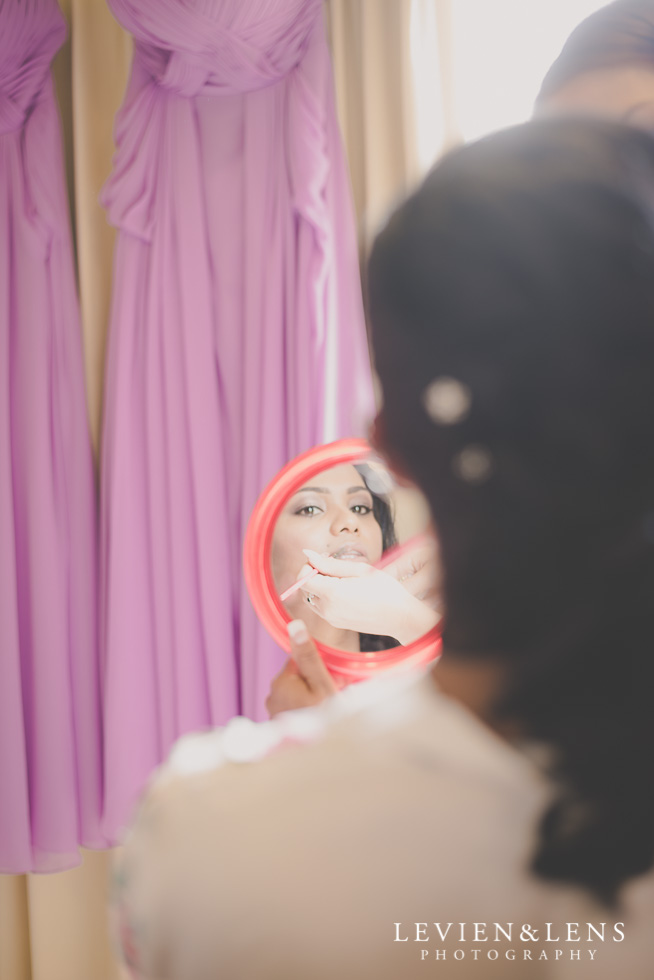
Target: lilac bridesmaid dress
[
  {"x": 50, "y": 745},
  {"x": 236, "y": 341}
]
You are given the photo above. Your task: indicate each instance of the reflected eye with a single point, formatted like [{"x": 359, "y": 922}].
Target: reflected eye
[
  {"x": 309, "y": 510},
  {"x": 361, "y": 509}
]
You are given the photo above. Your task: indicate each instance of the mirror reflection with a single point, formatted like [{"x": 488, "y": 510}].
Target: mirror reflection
[{"x": 354, "y": 558}]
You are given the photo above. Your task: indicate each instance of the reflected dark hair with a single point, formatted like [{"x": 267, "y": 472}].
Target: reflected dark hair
[
  {"x": 622, "y": 33},
  {"x": 382, "y": 508},
  {"x": 523, "y": 269},
  {"x": 383, "y": 513}
]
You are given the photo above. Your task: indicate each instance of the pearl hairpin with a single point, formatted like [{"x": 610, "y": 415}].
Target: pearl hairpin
[
  {"x": 473, "y": 464},
  {"x": 447, "y": 400}
]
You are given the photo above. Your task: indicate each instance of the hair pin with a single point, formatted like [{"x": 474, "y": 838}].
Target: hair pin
[
  {"x": 473, "y": 464},
  {"x": 447, "y": 401}
]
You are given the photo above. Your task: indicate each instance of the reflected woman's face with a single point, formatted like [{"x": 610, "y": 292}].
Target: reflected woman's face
[
  {"x": 622, "y": 93},
  {"x": 333, "y": 516}
]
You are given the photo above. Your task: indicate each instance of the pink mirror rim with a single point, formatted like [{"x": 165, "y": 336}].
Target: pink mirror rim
[{"x": 350, "y": 667}]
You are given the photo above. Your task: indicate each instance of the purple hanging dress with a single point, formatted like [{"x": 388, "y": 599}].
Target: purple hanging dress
[
  {"x": 236, "y": 341},
  {"x": 50, "y": 744}
]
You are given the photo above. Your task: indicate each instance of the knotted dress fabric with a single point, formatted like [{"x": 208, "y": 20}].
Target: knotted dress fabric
[
  {"x": 236, "y": 341},
  {"x": 50, "y": 737}
]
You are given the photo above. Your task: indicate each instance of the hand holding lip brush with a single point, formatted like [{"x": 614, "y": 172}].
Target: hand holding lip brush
[
  {"x": 390, "y": 556},
  {"x": 357, "y": 596}
]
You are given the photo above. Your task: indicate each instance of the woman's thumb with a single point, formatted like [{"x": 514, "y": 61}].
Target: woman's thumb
[{"x": 309, "y": 663}]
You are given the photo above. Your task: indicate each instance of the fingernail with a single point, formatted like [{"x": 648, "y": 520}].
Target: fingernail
[
  {"x": 298, "y": 631},
  {"x": 311, "y": 554}
]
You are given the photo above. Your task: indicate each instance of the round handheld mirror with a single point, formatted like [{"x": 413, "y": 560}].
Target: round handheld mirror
[{"x": 372, "y": 605}]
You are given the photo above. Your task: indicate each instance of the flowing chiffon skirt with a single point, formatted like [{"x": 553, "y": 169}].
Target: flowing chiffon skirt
[
  {"x": 50, "y": 735},
  {"x": 237, "y": 340}
]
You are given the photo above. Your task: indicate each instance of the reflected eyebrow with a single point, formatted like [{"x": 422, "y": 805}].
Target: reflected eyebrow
[{"x": 327, "y": 490}]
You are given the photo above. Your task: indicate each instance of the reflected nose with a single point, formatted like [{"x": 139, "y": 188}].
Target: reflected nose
[{"x": 345, "y": 522}]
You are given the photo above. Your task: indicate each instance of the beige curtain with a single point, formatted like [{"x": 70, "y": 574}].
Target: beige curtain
[
  {"x": 386, "y": 53},
  {"x": 54, "y": 927},
  {"x": 395, "y": 101},
  {"x": 90, "y": 74}
]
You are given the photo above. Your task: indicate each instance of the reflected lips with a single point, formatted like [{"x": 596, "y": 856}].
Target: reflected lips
[
  {"x": 350, "y": 552},
  {"x": 347, "y": 552}
]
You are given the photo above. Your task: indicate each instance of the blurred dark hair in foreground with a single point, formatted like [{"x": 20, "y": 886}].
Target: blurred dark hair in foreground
[
  {"x": 523, "y": 272},
  {"x": 620, "y": 34}
]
